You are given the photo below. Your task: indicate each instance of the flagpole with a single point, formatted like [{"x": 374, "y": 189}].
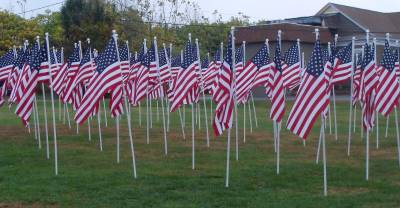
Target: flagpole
[
  {"x": 182, "y": 118},
  {"x": 396, "y": 121},
  {"x": 334, "y": 97},
  {"x": 204, "y": 96},
  {"x": 169, "y": 59},
  {"x": 52, "y": 108},
  {"x": 128, "y": 115},
  {"x": 329, "y": 106},
  {"x": 147, "y": 104},
  {"x": 162, "y": 96},
  {"x": 244, "y": 102},
  {"x": 367, "y": 134},
  {"x": 278, "y": 124},
  {"x": 301, "y": 66},
  {"x": 351, "y": 93},
  {"x": 193, "y": 145},
  {"x": 35, "y": 126},
  {"x": 105, "y": 112},
  {"x": 377, "y": 114},
  {"x": 139, "y": 105},
  {"x": 44, "y": 95},
  {"x": 89, "y": 130},
  {"x": 387, "y": 126},
  {"x": 232, "y": 94},
  {"x": 254, "y": 108},
  {"x": 361, "y": 114}
]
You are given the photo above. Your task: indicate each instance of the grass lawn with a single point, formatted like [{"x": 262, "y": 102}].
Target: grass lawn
[{"x": 90, "y": 178}]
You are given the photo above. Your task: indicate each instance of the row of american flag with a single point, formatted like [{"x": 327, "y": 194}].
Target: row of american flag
[{"x": 84, "y": 79}]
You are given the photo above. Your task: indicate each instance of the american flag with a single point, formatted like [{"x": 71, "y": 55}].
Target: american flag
[
  {"x": 164, "y": 69},
  {"x": 387, "y": 90},
  {"x": 239, "y": 59},
  {"x": 204, "y": 70},
  {"x": 341, "y": 70},
  {"x": 13, "y": 76},
  {"x": 25, "y": 104},
  {"x": 6, "y": 65},
  {"x": 124, "y": 58},
  {"x": 277, "y": 95},
  {"x": 291, "y": 69},
  {"x": 357, "y": 80},
  {"x": 86, "y": 68},
  {"x": 107, "y": 78},
  {"x": 141, "y": 83},
  {"x": 255, "y": 73},
  {"x": 45, "y": 66},
  {"x": 176, "y": 66},
  {"x": 22, "y": 76},
  {"x": 185, "y": 84},
  {"x": 397, "y": 63},
  {"x": 211, "y": 73},
  {"x": 368, "y": 82},
  {"x": 224, "y": 109},
  {"x": 135, "y": 63},
  {"x": 311, "y": 99},
  {"x": 73, "y": 66}
]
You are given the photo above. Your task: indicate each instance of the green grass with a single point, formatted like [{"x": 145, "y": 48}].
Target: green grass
[{"x": 90, "y": 178}]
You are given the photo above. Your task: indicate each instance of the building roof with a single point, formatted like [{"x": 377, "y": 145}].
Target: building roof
[
  {"x": 376, "y": 22},
  {"x": 290, "y": 32}
]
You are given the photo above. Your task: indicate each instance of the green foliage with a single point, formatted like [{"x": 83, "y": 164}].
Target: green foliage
[{"x": 14, "y": 30}]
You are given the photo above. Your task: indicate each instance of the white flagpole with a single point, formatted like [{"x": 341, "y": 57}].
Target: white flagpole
[
  {"x": 162, "y": 97},
  {"x": 367, "y": 136},
  {"x": 301, "y": 66},
  {"x": 232, "y": 93},
  {"x": 324, "y": 159},
  {"x": 387, "y": 126},
  {"x": 52, "y": 108},
  {"x": 204, "y": 96},
  {"x": 361, "y": 115},
  {"x": 254, "y": 108},
  {"x": 147, "y": 105},
  {"x": 67, "y": 111},
  {"x": 377, "y": 114},
  {"x": 244, "y": 103},
  {"x": 44, "y": 95},
  {"x": 250, "y": 117},
  {"x": 397, "y": 133},
  {"x": 193, "y": 121},
  {"x": 80, "y": 58},
  {"x": 329, "y": 106},
  {"x": 334, "y": 97},
  {"x": 128, "y": 115},
  {"x": 278, "y": 124},
  {"x": 355, "y": 118},
  {"x": 89, "y": 130},
  {"x": 351, "y": 94},
  {"x": 169, "y": 59},
  {"x": 105, "y": 112}
]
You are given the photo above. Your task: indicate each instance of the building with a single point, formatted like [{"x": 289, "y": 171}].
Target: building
[{"x": 332, "y": 19}]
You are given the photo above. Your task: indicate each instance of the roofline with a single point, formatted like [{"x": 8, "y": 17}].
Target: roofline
[
  {"x": 341, "y": 12},
  {"x": 279, "y": 23}
]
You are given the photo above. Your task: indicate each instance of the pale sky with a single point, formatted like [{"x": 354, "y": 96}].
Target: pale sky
[{"x": 256, "y": 9}]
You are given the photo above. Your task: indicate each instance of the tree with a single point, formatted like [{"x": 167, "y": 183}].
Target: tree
[
  {"x": 95, "y": 19},
  {"x": 15, "y": 29}
]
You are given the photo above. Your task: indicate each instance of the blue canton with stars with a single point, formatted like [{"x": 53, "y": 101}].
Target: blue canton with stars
[
  {"x": 107, "y": 57},
  {"x": 162, "y": 60},
  {"x": 388, "y": 59},
  {"x": 262, "y": 57},
  {"x": 315, "y": 66},
  {"x": 277, "y": 58},
  {"x": 188, "y": 56},
  {"x": 86, "y": 57},
  {"x": 239, "y": 54},
  {"x": 345, "y": 54},
  {"x": 123, "y": 52},
  {"x": 35, "y": 57},
  {"x": 74, "y": 57},
  {"x": 176, "y": 61},
  {"x": 368, "y": 56},
  {"x": 292, "y": 55},
  {"x": 7, "y": 59},
  {"x": 204, "y": 62},
  {"x": 228, "y": 55},
  {"x": 217, "y": 55},
  {"x": 149, "y": 57}
]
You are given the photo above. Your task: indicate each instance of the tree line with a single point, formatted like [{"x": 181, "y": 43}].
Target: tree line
[{"x": 169, "y": 20}]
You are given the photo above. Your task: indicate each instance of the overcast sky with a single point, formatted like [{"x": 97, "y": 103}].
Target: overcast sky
[{"x": 256, "y": 9}]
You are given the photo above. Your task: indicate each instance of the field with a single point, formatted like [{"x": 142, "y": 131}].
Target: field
[{"x": 91, "y": 178}]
